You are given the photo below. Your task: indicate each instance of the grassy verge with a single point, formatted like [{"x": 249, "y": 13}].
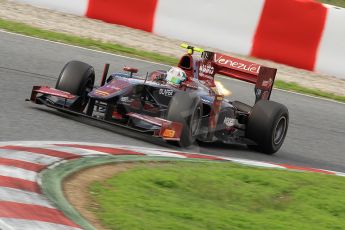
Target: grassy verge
[
  {"x": 340, "y": 3},
  {"x": 25, "y": 29},
  {"x": 184, "y": 195},
  {"x": 120, "y": 49},
  {"x": 291, "y": 86}
]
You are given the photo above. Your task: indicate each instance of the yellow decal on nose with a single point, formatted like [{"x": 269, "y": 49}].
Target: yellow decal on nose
[{"x": 101, "y": 92}]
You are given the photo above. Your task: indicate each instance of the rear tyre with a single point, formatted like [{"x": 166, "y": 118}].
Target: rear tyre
[
  {"x": 77, "y": 78},
  {"x": 186, "y": 109},
  {"x": 267, "y": 126}
]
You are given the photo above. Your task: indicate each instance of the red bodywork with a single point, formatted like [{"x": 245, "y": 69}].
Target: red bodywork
[
  {"x": 210, "y": 64},
  {"x": 216, "y": 63},
  {"x": 262, "y": 76},
  {"x": 50, "y": 91},
  {"x": 174, "y": 128},
  {"x": 204, "y": 69}
]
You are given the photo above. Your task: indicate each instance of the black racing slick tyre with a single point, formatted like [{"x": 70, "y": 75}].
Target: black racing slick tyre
[
  {"x": 186, "y": 109},
  {"x": 267, "y": 126},
  {"x": 77, "y": 78}
]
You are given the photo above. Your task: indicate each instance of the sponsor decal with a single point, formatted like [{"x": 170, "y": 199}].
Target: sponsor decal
[
  {"x": 235, "y": 63},
  {"x": 206, "y": 69},
  {"x": 229, "y": 122},
  {"x": 126, "y": 100},
  {"x": 267, "y": 84},
  {"x": 207, "y": 99},
  {"x": 100, "y": 92},
  {"x": 166, "y": 92},
  {"x": 169, "y": 133}
]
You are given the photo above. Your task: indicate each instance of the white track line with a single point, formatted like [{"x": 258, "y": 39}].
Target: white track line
[
  {"x": 253, "y": 163},
  {"x": 157, "y": 153},
  {"x": 76, "y": 151}
]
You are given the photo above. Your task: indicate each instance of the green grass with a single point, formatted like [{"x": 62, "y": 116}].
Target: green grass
[
  {"x": 340, "y": 3},
  {"x": 25, "y": 29},
  {"x": 291, "y": 86},
  {"x": 211, "y": 196}
]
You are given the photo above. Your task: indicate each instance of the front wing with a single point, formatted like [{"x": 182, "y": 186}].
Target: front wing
[{"x": 168, "y": 130}]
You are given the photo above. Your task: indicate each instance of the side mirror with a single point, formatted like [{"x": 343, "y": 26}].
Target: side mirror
[{"x": 130, "y": 69}]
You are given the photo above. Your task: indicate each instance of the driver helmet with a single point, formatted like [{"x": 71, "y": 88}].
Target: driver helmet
[{"x": 176, "y": 76}]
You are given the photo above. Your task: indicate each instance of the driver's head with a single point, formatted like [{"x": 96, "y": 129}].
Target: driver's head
[{"x": 176, "y": 76}]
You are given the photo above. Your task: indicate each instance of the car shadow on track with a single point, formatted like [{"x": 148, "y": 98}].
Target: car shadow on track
[
  {"x": 216, "y": 148},
  {"x": 199, "y": 147},
  {"x": 108, "y": 127}
]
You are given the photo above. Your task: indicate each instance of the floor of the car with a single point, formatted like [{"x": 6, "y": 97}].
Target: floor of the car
[{"x": 242, "y": 106}]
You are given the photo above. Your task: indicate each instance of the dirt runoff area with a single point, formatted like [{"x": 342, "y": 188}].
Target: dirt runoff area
[
  {"x": 98, "y": 30},
  {"x": 75, "y": 187},
  {"x": 76, "y": 190}
]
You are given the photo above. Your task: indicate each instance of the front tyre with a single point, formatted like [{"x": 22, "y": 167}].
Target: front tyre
[
  {"x": 77, "y": 78},
  {"x": 267, "y": 126},
  {"x": 186, "y": 109}
]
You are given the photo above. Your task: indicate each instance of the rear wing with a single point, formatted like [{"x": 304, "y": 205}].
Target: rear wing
[{"x": 263, "y": 77}]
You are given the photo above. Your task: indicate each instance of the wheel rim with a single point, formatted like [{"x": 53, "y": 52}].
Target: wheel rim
[
  {"x": 195, "y": 121},
  {"x": 279, "y": 131}
]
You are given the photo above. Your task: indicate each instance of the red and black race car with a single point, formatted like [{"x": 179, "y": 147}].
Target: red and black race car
[{"x": 181, "y": 105}]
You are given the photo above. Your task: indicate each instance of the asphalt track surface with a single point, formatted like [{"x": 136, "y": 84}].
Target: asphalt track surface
[{"x": 316, "y": 135}]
